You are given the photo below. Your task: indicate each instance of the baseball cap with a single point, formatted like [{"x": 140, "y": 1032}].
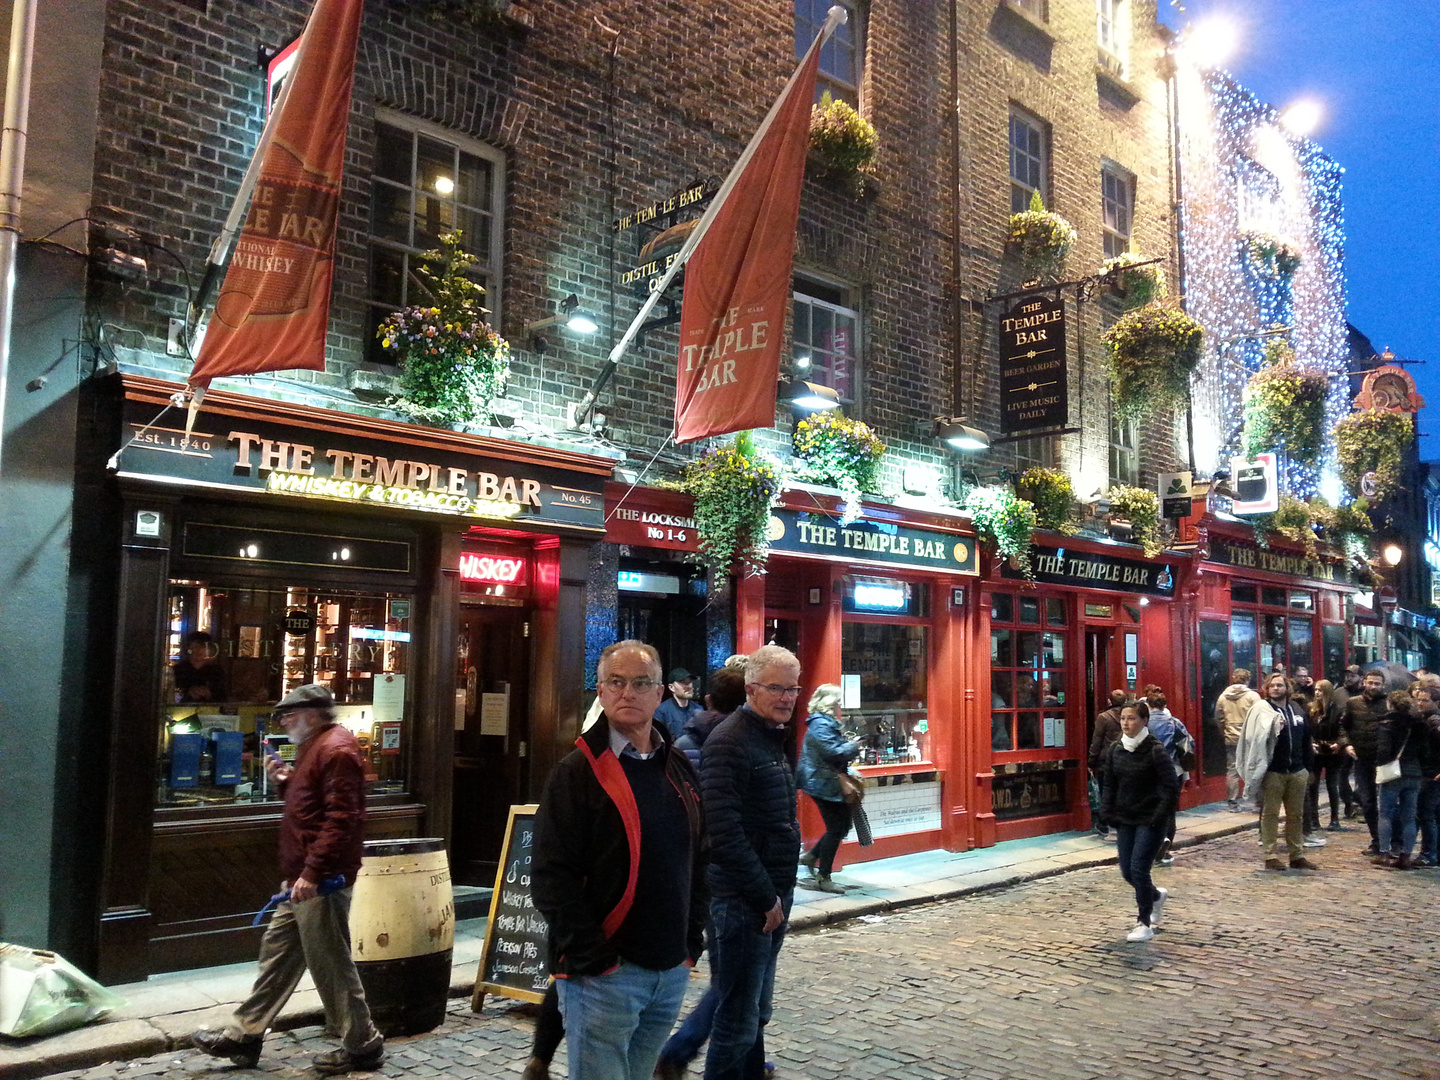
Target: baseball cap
[
  {"x": 309, "y": 696},
  {"x": 679, "y": 674}
]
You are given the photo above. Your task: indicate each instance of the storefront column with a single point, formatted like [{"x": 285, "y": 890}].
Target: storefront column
[
  {"x": 432, "y": 775},
  {"x": 951, "y": 695},
  {"x": 557, "y": 688},
  {"x": 749, "y": 613}
]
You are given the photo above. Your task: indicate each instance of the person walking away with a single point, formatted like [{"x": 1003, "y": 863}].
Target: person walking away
[
  {"x": 1171, "y": 734},
  {"x": 677, "y": 710},
  {"x": 749, "y": 792},
  {"x": 618, "y": 873},
  {"x": 1328, "y": 736},
  {"x": 823, "y": 756},
  {"x": 727, "y": 693},
  {"x": 322, "y": 836},
  {"x": 1141, "y": 790},
  {"x": 1343, "y": 693},
  {"x": 1399, "y": 737},
  {"x": 1428, "y": 809},
  {"x": 1362, "y": 717},
  {"x": 1274, "y": 756},
  {"x": 1107, "y": 733},
  {"x": 1231, "y": 708}
]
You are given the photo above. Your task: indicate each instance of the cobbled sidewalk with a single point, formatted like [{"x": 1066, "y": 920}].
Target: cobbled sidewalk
[{"x": 148, "y": 1038}]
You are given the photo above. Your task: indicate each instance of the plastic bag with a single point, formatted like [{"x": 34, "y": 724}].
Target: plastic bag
[{"x": 42, "y": 993}]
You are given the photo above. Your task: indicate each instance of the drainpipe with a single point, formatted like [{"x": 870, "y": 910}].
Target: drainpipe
[{"x": 12, "y": 174}]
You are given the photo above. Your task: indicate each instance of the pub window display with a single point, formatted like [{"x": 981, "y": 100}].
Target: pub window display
[
  {"x": 884, "y": 661},
  {"x": 1027, "y": 672},
  {"x": 233, "y": 651}
]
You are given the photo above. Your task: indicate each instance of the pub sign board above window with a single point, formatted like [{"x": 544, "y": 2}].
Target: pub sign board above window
[
  {"x": 803, "y": 533},
  {"x": 1091, "y": 570},
  {"x": 247, "y": 454},
  {"x": 1033, "y": 391}
]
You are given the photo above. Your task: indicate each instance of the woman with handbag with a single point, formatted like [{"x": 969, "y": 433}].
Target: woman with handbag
[
  {"x": 1141, "y": 790},
  {"x": 1398, "y": 775},
  {"x": 824, "y": 759}
]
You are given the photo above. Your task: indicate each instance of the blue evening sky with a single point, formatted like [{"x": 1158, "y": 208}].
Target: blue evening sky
[{"x": 1374, "y": 66}]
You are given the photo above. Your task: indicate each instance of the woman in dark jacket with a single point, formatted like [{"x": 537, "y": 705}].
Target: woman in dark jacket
[
  {"x": 1141, "y": 790},
  {"x": 1329, "y": 738},
  {"x": 1400, "y": 735},
  {"x": 826, "y": 753}
]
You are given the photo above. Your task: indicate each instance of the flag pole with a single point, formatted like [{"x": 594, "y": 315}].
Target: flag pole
[{"x": 835, "y": 18}]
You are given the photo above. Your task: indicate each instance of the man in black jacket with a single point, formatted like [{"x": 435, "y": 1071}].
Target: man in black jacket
[
  {"x": 749, "y": 791},
  {"x": 1361, "y": 722},
  {"x": 618, "y": 874}
]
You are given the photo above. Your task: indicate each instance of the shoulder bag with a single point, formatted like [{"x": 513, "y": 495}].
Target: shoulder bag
[
  {"x": 1391, "y": 769},
  {"x": 852, "y": 788}
]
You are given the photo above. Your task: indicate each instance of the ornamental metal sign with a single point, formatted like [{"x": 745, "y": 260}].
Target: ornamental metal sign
[
  {"x": 1033, "y": 391},
  {"x": 805, "y": 533},
  {"x": 1091, "y": 570}
]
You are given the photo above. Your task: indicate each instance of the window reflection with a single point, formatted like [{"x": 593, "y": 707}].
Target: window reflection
[{"x": 885, "y": 666}]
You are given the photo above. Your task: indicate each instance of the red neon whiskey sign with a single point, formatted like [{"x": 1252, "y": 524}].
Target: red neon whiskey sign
[{"x": 492, "y": 569}]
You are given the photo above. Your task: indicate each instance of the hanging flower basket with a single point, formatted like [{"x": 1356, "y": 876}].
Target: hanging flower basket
[
  {"x": 1304, "y": 523},
  {"x": 1135, "y": 286},
  {"x": 1285, "y": 406},
  {"x": 1373, "y": 441},
  {"x": 1006, "y": 522},
  {"x": 452, "y": 362},
  {"x": 1151, "y": 353},
  {"x": 1041, "y": 239},
  {"x": 1141, "y": 508},
  {"x": 842, "y": 141},
  {"x": 1271, "y": 257},
  {"x": 1052, "y": 495},
  {"x": 735, "y": 489},
  {"x": 841, "y": 452}
]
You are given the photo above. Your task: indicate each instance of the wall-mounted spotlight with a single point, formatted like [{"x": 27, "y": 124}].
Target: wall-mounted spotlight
[
  {"x": 799, "y": 394},
  {"x": 571, "y": 316},
  {"x": 1392, "y": 553},
  {"x": 958, "y": 435}
]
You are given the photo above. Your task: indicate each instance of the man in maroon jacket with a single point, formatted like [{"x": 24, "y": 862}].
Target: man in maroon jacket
[{"x": 321, "y": 840}]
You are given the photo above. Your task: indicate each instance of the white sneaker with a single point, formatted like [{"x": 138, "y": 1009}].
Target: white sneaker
[
  {"x": 1314, "y": 840},
  {"x": 1140, "y": 933},
  {"x": 1158, "y": 908}
]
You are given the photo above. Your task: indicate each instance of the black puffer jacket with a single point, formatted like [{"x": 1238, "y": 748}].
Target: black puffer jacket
[
  {"x": 697, "y": 730},
  {"x": 1362, "y": 717},
  {"x": 1401, "y": 735},
  {"x": 1140, "y": 785},
  {"x": 749, "y": 795}
]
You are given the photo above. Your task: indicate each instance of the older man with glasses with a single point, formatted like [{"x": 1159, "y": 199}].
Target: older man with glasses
[
  {"x": 749, "y": 791},
  {"x": 618, "y": 874}
]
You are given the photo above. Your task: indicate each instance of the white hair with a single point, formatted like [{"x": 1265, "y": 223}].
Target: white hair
[{"x": 766, "y": 656}]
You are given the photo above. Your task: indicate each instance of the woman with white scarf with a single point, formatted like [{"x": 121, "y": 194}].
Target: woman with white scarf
[{"x": 1141, "y": 791}]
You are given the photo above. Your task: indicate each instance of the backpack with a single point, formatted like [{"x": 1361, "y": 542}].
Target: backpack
[{"x": 1183, "y": 749}]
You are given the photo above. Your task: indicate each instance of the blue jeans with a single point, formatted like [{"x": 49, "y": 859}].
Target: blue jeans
[
  {"x": 742, "y": 974},
  {"x": 1398, "y": 801},
  {"x": 684, "y": 1046},
  {"x": 616, "y": 1023},
  {"x": 1429, "y": 814},
  {"x": 1136, "y": 846}
]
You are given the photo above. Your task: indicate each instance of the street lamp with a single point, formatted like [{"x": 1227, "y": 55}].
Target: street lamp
[{"x": 1392, "y": 553}]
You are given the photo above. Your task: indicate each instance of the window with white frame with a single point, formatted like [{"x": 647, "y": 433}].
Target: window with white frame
[
  {"x": 826, "y": 335},
  {"x": 1111, "y": 35},
  {"x": 1117, "y": 200},
  {"x": 427, "y": 181},
  {"x": 1124, "y": 451},
  {"x": 1038, "y": 8},
  {"x": 840, "y": 57},
  {"x": 1036, "y": 452},
  {"x": 1027, "y": 160}
]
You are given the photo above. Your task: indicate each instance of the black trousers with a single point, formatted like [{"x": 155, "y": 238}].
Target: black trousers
[{"x": 836, "y": 814}]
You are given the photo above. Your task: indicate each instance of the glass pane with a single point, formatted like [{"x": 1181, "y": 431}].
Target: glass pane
[
  {"x": 1301, "y": 645},
  {"x": 390, "y": 212},
  {"x": 1002, "y": 690},
  {"x": 1273, "y": 597},
  {"x": 433, "y": 216},
  {"x": 892, "y": 664},
  {"x": 1001, "y": 654},
  {"x": 387, "y": 276},
  {"x": 1214, "y": 677},
  {"x": 1242, "y": 644},
  {"x": 1272, "y": 642},
  {"x": 435, "y": 167},
  {"x": 1333, "y": 637},
  {"x": 1055, "y": 611},
  {"x": 1302, "y": 601},
  {"x": 1053, "y": 646},
  {"x": 473, "y": 185},
  {"x": 1052, "y": 688},
  {"x": 1000, "y": 732},
  {"x": 1029, "y": 609},
  {"x": 1027, "y": 730},
  {"x": 475, "y": 233},
  {"x": 392, "y": 154},
  {"x": 1000, "y": 607},
  {"x": 1028, "y": 652},
  {"x": 1243, "y": 594},
  {"x": 1027, "y": 689}
]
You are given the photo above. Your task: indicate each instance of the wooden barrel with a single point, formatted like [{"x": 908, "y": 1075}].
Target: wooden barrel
[{"x": 402, "y": 933}]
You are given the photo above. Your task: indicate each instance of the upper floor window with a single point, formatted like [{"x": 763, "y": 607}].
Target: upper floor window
[
  {"x": 1027, "y": 160},
  {"x": 840, "y": 58},
  {"x": 1258, "y": 197},
  {"x": 1038, "y": 8},
  {"x": 1035, "y": 452},
  {"x": 1124, "y": 452},
  {"x": 428, "y": 181},
  {"x": 1110, "y": 33},
  {"x": 1117, "y": 198},
  {"x": 826, "y": 336}
]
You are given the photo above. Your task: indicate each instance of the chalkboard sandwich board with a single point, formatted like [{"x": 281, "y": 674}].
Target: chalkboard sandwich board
[{"x": 515, "y": 960}]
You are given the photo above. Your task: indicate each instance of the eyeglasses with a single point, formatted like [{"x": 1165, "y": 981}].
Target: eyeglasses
[
  {"x": 640, "y": 684},
  {"x": 780, "y": 691}
]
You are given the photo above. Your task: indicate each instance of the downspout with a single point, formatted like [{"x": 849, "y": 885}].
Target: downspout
[
  {"x": 12, "y": 176},
  {"x": 957, "y": 301}
]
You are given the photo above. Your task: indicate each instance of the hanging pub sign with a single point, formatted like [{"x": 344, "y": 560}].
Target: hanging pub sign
[
  {"x": 1091, "y": 570},
  {"x": 1174, "y": 492},
  {"x": 1256, "y": 483},
  {"x": 1032, "y": 365}
]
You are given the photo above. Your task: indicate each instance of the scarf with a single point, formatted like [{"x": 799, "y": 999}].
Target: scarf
[{"x": 1131, "y": 744}]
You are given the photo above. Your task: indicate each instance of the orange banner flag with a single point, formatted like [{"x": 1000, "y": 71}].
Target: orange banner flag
[{"x": 272, "y": 311}]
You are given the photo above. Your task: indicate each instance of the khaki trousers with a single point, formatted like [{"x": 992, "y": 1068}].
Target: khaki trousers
[
  {"x": 314, "y": 934},
  {"x": 1287, "y": 789}
]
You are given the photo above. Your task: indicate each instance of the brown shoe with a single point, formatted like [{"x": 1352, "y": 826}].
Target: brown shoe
[
  {"x": 1404, "y": 862},
  {"x": 1302, "y": 863},
  {"x": 666, "y": 1069},
  {"x": 1384, "y": 862},
  {"x": 1274, "y": 864}
]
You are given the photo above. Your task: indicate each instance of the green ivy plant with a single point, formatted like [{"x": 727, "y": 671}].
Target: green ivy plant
[
  {"x": 1136, "y": 286},
  {"x": 477, "y": 13},
  {"x": 1285, "y": 406},
  {"x": 1151, "y": 353},
  {"x": 734, "y": 489},
  {"x": 1052, "y": 495},
  {"x": 1373, "y": 440},
  {"x": 1141, "y": 508},
  {"x": 1345, "y": 527},
  {"x": 1007, "y": 522},
  {"x": 1270, "y": 256},
  {"x": 843, "y": 141},
  {"x": 841, "y": 452},
  {"x": 1041, "y": 239},
  {"x": 452, "y": 362}
]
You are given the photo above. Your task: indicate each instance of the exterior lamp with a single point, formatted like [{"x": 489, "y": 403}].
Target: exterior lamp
[
  {"x": 571, "y": 315},
  {"x": 800, "y": 394},
  {"x": 1392, "y": 553},
  {"x": 958, "y": 435},
  {"x": 1301, "y": 118},
  {"x": 1210, "y": 43}
]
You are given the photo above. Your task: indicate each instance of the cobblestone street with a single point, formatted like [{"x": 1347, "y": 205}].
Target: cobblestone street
[{"x": 1329, "y": 974}]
